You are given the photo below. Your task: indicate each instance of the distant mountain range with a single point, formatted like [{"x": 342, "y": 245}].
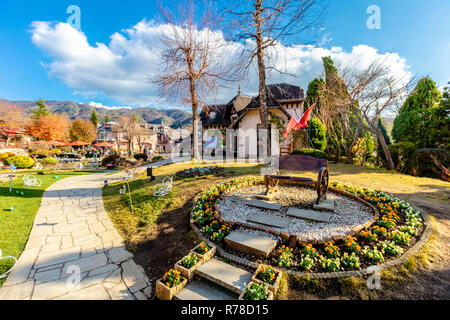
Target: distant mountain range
[{"x": 171, "y": 117}]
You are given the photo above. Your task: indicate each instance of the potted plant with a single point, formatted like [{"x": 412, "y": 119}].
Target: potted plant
[
  {"x": 268, "y": 275},
  {"x": 205, "y": 251},
  {"x": 256, "y": 291},
  {"x": 170, "y": 285},
  {"x": 188, "y": 265}
]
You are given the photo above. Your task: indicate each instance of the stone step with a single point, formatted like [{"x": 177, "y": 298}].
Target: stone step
[
  {"x": 225, "y": 275},
  {"x": 264, "y": 204},
  {"x": 327, "y": 205},
  {"x": 268, "y": 220},
  {"x": 205, "y": 290},
  {"x": 309, "y": 214},
  {"x": 250, "y": 243}
]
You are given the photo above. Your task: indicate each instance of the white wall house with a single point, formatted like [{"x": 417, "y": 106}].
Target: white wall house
[{"x": 242, "y": 114}]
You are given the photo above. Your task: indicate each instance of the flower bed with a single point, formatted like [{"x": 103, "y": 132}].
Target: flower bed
[
  {"x": 170, "y": 285},
  {"x": 205, "y": 251},
  {"x": 268, "y": 275},
  {"x": 398, "y": 228},
  {"x": 256, "y": 291},
  {"x": 188, "y": 265},
  {"x": 199, "y": 172}
]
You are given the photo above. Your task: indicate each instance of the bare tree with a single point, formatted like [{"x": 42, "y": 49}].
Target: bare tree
[
  {"x": 192, "y": 65},
  {"x": 269, "y": 23},
  {"x": 371, "y": 92},
  {"x": 131, "y": 127}
]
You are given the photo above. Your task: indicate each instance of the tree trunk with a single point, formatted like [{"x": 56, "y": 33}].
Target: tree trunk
[
  {"x": 193, "y": 91},
  {"x": 262, "y": 73},
  {"x": 387, "y": 153}
]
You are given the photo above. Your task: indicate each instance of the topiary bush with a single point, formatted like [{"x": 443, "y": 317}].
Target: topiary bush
[
  {"x": 141, "y": 156},
  {"x": 49, "y": 161},
  {"x": 20, "y": 162},
  {"x": 157, "y": 158},
  {"x": 114, "y": 160},
  {"x": 317, "y": 134},
  {"x": 310, "y": 152}
]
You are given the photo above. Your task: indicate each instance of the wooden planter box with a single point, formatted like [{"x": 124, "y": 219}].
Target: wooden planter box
[
  {"x": 163, "y": 292},
  {"x": 272, "y": 287},
  {"x": 270, "y": 293},
  {"x": 208, "y": 255},
  {"x": 189, "y": 273}
]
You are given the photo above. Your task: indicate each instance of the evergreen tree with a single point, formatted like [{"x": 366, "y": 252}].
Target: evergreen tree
[
  {"x": 312, "y": 94},
  {"x": 415, "y": 117},
  {"x": 41, "y": 109},
  {"x": 94, "y": 118}
]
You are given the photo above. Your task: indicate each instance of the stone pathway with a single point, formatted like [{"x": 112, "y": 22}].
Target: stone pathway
[{"x": 74, "y": 251}]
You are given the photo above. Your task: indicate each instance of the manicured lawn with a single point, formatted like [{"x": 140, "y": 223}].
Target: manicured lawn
[{"x": 15, "y": 226}]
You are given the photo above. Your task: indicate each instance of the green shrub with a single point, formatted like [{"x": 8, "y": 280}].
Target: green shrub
[
  {"x": 317, "y": 134},
  {"x": 49, "y": 161},
  {"x": 20, "y": 162},
  {"x": 157, "y": 158},
  {"x": 401, "y": 153},
  {"x": 310, "y": 152},
  {"x": 140, "y": 156},
  {"x": 422, "y": 164}
]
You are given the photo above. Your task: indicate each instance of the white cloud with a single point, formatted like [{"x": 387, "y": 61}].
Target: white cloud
[
  {"x": 124, "y": 68},
  {"x": 100, "y": 105}
]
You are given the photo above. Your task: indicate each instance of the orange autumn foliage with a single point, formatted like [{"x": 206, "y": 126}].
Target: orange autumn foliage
[
  {"x": 50, "y": 127},
  {"x": 11, "y": 116}
]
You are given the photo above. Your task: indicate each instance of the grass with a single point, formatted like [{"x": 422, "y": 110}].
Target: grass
[
  {"x": 136, "y": 226},
  {"x": 15, "y": 226}
]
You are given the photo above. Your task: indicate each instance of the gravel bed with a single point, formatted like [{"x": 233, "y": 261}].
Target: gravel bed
[{"x": 348, "y": 214}]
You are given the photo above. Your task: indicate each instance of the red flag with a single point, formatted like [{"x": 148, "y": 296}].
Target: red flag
[
  {"x": 292, "y": 124},
  {"x": 303, "y": 123}
]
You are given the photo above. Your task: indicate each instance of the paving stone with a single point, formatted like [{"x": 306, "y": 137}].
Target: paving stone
[
  {"x": 96, "y": 292},
  {"x": 120, "y": 292},
  {"x": 73, "y": 228},
  {"x": 105, "y": 269},
  {"x": 17, "y": 292},
  {"x": 57, "y": 257},
  {"x": 228, "y": 276},
  {"x": 85, "y": 264},
  {"x": 202, "y": 290},
  {"x": 47, "y": 276},
  {"x": 264, "y": 204},
  {"x": 50, "y": 247},
  {"x": 50, "y": 290},
  {"x": 250, "y": 243},
  {"x": 309, "y": 214},
  {"x": 328, "y": 205},
  {"x": 268, "y": 220},
  {"x": 140, "y": 296},
  {"x": 119, "y": 254},
  {"x": 134, "y": 276}
]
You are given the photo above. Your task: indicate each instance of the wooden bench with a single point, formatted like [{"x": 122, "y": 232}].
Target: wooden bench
[{"x": 300, "y": 163}]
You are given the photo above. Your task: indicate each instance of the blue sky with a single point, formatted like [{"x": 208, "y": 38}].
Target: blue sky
[{"x": 418, "y": 31}]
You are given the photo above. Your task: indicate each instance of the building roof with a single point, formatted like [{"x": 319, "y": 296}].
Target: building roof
[{"x": 276, "y": 94}]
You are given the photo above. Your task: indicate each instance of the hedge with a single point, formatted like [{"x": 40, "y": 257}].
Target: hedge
[{"x": 310, "y": 152}]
